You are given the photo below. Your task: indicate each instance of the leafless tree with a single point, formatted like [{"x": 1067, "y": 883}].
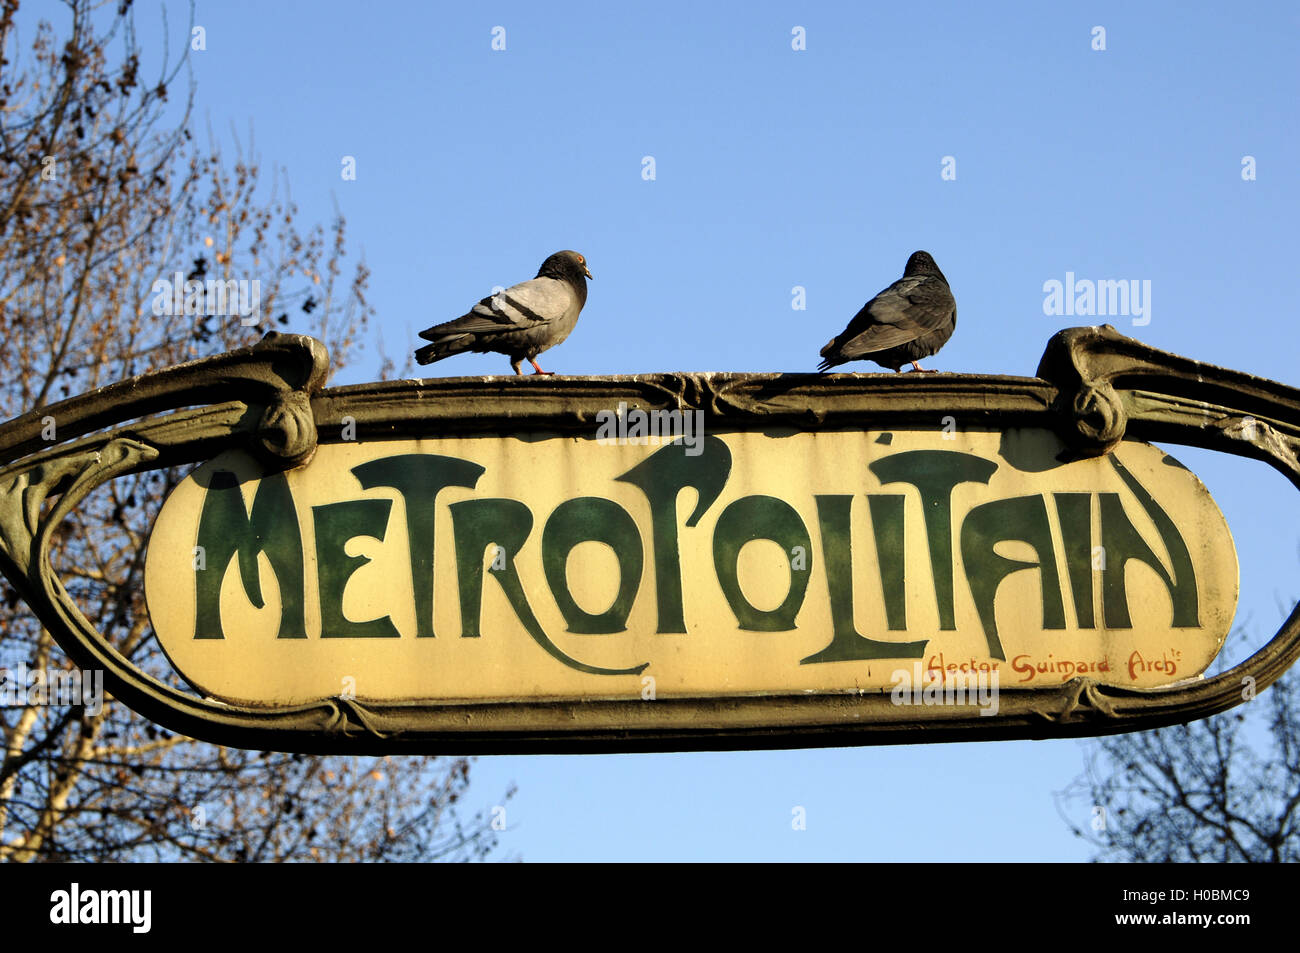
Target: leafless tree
[
  {"x": 101, "y": 195},
  {"x": 1222, "y": 789}
]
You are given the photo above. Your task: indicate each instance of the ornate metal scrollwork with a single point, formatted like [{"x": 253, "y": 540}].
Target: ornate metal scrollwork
[{"x": 1096, "y": 386}]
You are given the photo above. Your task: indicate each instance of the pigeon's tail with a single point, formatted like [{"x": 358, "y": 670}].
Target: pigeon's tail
[
  {"x": 829, "y": 357},
  {"x": 444, "y": 347}
]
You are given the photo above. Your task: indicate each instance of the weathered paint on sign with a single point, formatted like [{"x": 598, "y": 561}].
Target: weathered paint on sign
[{"x": 561, "y": 568}]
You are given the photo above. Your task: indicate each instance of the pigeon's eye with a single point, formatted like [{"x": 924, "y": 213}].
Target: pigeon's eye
[{"x": 581, "y": 260}]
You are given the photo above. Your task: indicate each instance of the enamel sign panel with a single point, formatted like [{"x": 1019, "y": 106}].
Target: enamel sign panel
[{"x": 480, "y": 569}]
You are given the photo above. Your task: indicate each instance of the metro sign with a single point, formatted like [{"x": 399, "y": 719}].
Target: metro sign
[
  {"x": 489, "y": 565},
  {"x": 479, "y": 568}
]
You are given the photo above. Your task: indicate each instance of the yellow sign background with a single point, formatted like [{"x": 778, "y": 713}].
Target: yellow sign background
[{"x": 715, "y": 656}]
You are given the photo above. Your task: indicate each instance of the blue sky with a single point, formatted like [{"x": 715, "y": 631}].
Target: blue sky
[{"x": 818, "y": 168}]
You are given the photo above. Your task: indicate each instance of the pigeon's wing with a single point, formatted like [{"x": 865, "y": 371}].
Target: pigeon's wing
[
  {"x": 924, "y": 301},
  {"x": 903, "y": 312},
  {"x": 518, "y": 308}
]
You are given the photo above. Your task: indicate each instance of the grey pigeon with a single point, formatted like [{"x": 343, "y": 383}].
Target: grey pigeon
[
  {"x": 522, "y": 321},
  {"x": 909, "y": 320}
]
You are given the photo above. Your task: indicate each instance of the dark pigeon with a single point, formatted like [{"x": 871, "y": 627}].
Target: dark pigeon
[
  {"x": 909, "y": 320},
  {"x": 522, "y": 321}
]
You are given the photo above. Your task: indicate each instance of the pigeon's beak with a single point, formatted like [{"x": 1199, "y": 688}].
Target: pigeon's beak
[{"x": 588, "y": 273}]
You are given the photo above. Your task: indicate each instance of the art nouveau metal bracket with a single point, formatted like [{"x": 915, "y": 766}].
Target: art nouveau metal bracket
[{"x": 1095, "y": 387}]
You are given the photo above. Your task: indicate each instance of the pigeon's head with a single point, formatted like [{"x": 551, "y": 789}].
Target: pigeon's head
[
  {"x": 566, "y": 265},
  {"x": 921, "y": 264}
]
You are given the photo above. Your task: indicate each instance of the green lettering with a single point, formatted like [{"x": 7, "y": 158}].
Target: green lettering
[
  {"x": 661, "y": 477},
  {"x": 507, "y": 523},
  {"x": 748, "y": 519},
  {"x": 833, "y": 515},
  {"x": 888, "y": 528},
  {"x": 935, "y": 473},
  {"x": 1121, "y": 542},
  {"x": 419, "y": 478},
  {"x": 226, "y": 529},
  {"x": 581, "y": 520},
  {"x": 1074, "y": 510},
  {"x": 1021, "y": 518},
  {"x": 336, "y": 523}
]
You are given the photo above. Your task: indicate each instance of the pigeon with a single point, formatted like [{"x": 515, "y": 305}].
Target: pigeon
[
  {"x": 909, "y": 320},
  {"x": 522, "y": 321}
]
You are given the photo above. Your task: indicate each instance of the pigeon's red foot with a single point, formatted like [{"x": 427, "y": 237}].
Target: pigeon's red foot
[
  {"x": 923, "y": 370},
  {"x": 538, "y": 370}
]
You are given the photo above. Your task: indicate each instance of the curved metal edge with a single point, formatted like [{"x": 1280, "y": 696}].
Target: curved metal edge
[
  {"x": 276, "y": 376},
  {"x": 1103, "y": 381},
  {"x": 1110, "y": 387},
  {"x": 489, "y": 405},
  {"x": 265, "y": 393},
  {"x": 283, "y": 413}
]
